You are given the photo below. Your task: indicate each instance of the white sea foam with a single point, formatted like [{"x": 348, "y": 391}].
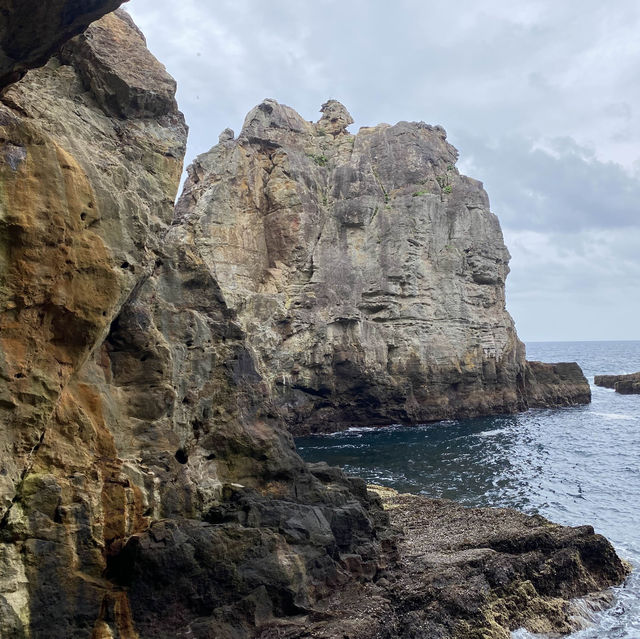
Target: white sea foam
[
  {"x": 491, "y": 433},
  {"x": 617, "y": 416}
]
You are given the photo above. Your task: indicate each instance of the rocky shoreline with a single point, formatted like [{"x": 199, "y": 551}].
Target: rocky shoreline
[
  {"x": 623, "y": 384},
  {"x": 467, "y": 573},
  {"x": 149, "y": 485}
]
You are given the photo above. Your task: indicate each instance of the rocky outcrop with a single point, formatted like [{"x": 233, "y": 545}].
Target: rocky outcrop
[
  {"x": 32, "y": 30},
  {"x": 623, "y": 384},
  {"x": 470, "y": 573},
  {"x": 86, "y": 196},
  {"x": 366, "y": 271},
  {"x": 562, "y": 384},
  {"x": 148, "y": 487}
]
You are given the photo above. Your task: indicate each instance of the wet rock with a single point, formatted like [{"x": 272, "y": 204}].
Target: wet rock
[
  {"x": 623, "y": 384},
  {"x": 467, "y": 573}
]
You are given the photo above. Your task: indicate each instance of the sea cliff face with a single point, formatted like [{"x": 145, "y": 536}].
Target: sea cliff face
[
  {"x": 148, "y": 485},
  {"x": 367, "y": 272},
  {"x": 144, "y": 481}
]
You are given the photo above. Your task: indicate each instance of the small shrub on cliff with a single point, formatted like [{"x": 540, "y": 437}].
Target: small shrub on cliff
[{"x": 320, "y": 160}]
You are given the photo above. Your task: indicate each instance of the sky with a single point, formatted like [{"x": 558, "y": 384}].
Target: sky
[{"x": 541, "y": 98}]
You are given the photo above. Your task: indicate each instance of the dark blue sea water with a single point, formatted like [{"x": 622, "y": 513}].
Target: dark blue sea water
[{"x": 574, "y": 466}]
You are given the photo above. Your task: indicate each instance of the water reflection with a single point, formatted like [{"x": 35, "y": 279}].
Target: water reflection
[{"x": 465, "y": 460}]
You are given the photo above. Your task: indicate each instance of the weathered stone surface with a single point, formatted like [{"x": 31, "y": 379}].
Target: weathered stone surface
[
  {"x": 85, "y": 199},
  {"x": 32, "y": 30},
  {"x": 148, "y": 488},
  {"x": 366, "y": 271},
  {"x": 468, "y": 573},
  {"x": 138, "y": 445},
  {"x": 624, "y": 384}
]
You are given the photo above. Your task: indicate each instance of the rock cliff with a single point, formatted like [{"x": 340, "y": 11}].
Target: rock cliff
[
  {"x": 367, "y": 272},
  {"x": 145, "y": 484},
  {"x": 148, "y": 488}
]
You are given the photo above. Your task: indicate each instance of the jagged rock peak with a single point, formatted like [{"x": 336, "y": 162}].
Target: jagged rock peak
[
  {"x": 335, "y": 118},
  {"x": 270, "y": 116},
  {"x": 115, "y": 64},
  {"x": 226, "y": 136}
]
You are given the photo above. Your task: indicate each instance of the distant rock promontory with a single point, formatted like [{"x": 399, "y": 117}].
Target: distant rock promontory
[
  {"x": 623, "y": 384},
  {"x": 367, "y": 273}
]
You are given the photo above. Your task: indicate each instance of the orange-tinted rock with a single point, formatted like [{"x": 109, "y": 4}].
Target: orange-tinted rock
[{"x": 85, "y": 198}]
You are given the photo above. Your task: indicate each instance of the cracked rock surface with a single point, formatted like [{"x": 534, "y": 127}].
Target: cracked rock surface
[
  {"x": 149, "y": 487},
  {"x": 367, "y": 272}
]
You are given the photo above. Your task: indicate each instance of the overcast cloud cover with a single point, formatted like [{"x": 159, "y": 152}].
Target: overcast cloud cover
[{"x": 541, "y": 98}]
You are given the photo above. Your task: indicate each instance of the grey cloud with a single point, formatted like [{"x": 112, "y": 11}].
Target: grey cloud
[
  {"x": 574, "y": 285},
  {"x": 620, "y": 110},
  {"x": 565, "y": 188},
  {"x": 487, "y": 66}
]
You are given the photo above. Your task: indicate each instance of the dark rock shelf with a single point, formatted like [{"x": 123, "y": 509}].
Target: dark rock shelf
[
  {"x": 468, "y": 573},
  {"x": 623, "y": 384}
]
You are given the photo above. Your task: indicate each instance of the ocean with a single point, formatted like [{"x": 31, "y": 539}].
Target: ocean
[{"x": 574, "y": 466}]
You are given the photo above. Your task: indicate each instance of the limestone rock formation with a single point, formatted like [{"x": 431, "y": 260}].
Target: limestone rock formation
[
  {"x": 366, "y": 271},
  {"x": 32, "y": 30},
  {"x": 623, "y": 384},
  {"x": 145, "y": 483},
  {"x": 148, "y": 487}
]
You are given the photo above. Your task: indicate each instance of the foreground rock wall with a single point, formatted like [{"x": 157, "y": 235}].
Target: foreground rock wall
[
  {"x": 32, "y": 30},
  {"x": 148, "y": 488},
  {"x": 86, "y": 195},
  {"x": 145, "y": 482},
  {"x": 366, "y": 270}
]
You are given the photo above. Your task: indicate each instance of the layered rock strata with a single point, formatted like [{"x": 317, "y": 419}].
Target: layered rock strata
[
  {"x": 367, "y": 272},
  {"x": 148, "y": 488},
  {"x": 624, "y": 384}
]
